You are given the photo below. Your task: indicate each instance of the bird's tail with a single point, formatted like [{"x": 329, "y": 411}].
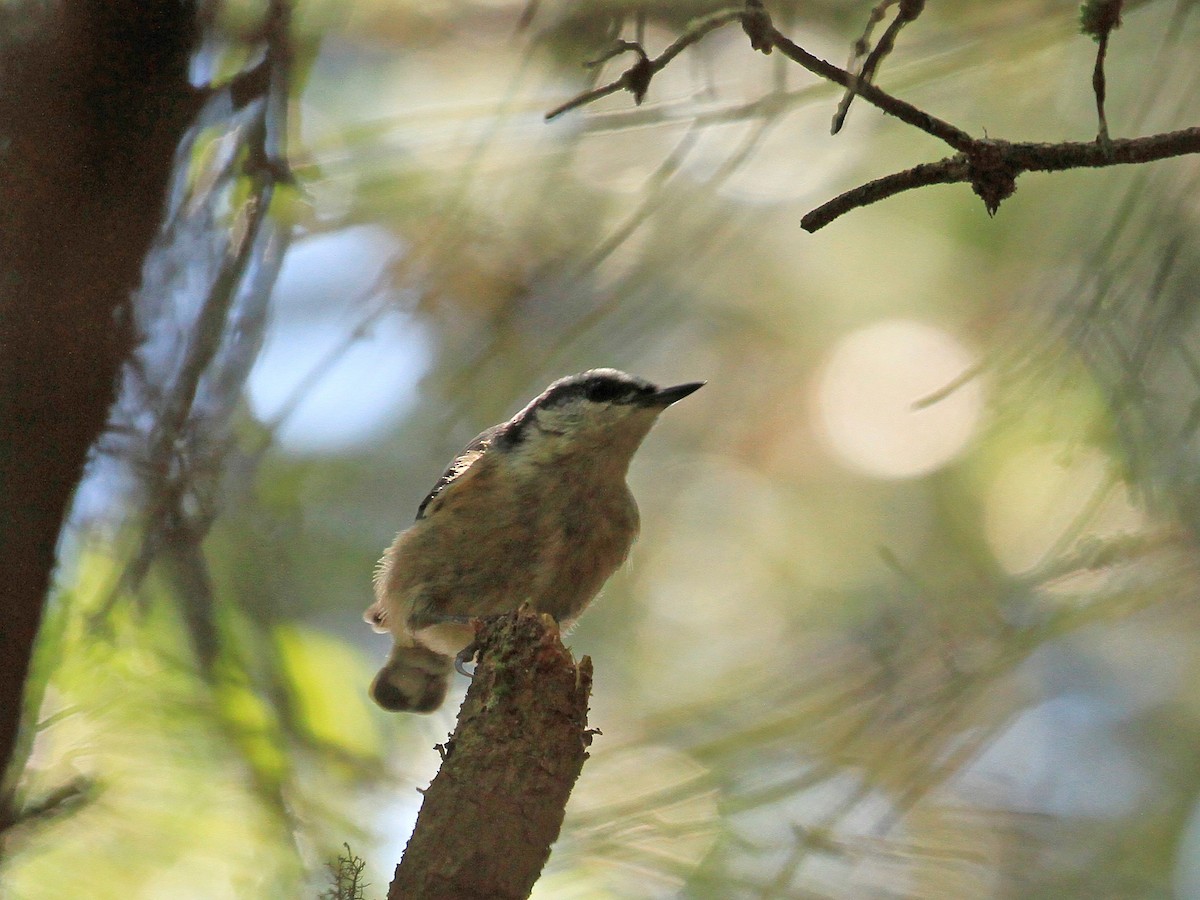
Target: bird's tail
[{"x": 414, "y": 679}]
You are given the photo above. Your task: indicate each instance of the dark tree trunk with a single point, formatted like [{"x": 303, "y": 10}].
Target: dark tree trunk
[{"x": 94, "y": 98}]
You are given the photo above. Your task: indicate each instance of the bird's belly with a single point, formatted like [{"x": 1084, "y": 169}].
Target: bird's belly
[
  {"x": 590, "y": 541},
  {"x": 554, "y": 556}
]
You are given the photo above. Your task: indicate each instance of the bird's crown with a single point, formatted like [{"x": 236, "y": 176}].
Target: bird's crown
[{"x": 603, "y": 386}]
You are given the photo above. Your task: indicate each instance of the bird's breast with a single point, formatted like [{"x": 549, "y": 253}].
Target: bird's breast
[{"x": 502, "y": 538}]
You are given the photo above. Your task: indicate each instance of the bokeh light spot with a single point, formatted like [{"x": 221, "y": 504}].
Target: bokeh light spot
[{"x": 869, "y": 395}]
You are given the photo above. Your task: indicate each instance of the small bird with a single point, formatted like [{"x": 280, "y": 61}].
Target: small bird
[{"x": 535, "y": 510}]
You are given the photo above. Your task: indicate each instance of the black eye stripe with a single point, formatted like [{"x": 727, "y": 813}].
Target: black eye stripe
[
  {"x": 607, "y": 391},
  {"x": 596, "y": 386}
]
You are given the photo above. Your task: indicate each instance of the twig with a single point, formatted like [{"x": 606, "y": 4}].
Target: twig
[
  {"x": 637, "y": 78},
  {"x": 60, "y": 801},
  {"x": 265, "y": 162},
  {"x": 1099, "y": 18},
  {"x": 765, "y": 37},
  {"x": 958, "y": 382},
  {"x": 990, "y": 166},
  {"x": 893, "y": 106},
  {"x": 1099, "y": 86},
  {"x": 1009, "y": 160},
  {"x": 951, "y": 170},
  {"x": 347, "y": 876},
  {"x": 858, "y": 50},
  {"x": 908, "y": 12}
]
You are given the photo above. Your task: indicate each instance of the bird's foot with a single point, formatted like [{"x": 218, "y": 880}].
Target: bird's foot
[{"x": 466, "y": 655}]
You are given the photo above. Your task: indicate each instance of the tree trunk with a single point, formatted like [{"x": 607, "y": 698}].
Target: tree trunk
[{"x": 94, "y": 98}]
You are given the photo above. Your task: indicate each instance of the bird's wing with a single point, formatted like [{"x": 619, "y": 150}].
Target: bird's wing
[{"x": 471, "y": 453}]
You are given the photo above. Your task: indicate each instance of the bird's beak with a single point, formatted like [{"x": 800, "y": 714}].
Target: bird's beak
[{"x": 664, "y": 397}]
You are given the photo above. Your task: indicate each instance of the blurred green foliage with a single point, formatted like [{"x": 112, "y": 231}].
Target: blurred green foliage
[{"x": 854, "y": 654}]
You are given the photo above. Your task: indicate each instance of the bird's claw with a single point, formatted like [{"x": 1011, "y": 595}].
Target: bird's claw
[{"x": 466, "y": 655}]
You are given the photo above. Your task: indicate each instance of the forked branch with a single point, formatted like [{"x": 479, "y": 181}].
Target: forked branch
[{"x": 990, "y": 166}]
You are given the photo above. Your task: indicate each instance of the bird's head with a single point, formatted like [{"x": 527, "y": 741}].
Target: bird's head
[{"x": 601, "y": 411}]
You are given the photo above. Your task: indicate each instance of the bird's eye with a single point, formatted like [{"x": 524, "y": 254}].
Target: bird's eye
[{"x": 605, "y": 391}]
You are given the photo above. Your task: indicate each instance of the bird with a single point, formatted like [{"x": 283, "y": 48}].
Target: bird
[{"x": 535, "y": 510}]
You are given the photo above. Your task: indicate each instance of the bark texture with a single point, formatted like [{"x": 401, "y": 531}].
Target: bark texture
[{"x": 496, "y": 806}]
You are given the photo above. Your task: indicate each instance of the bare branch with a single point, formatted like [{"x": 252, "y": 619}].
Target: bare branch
[
  {"x": 951, "y": 170},
  {"x": 908, "y": 12},
  {"x": 585, "y": 98},
  {"x": 497, "y": 804},
  {"x": 765, "y": 37},
  {"x": 1099, "y": 18},
  {"x": 637, "y": 78},
  {"x": 893, "y": 106},
  {"x": 990, "y": 166},
  {"x": 1006, "y": 161}
]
